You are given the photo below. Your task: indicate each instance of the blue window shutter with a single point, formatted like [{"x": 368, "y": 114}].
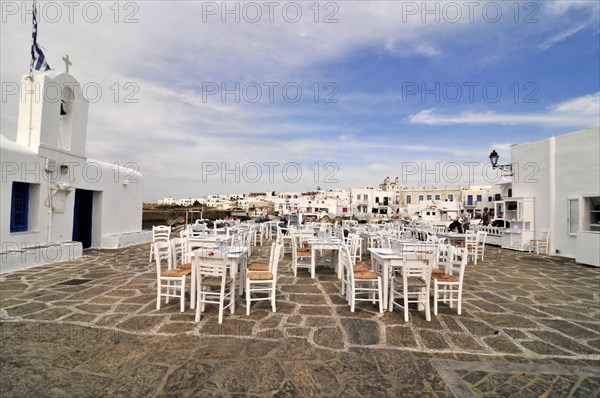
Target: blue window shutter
[{"x": 19, "y": 211}]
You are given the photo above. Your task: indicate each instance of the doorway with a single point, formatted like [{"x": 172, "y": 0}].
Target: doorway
[{"x": 82, "y": 217}]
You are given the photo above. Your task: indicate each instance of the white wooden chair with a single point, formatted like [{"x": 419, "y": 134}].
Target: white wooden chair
[
  {"x": 160, "y": 233},
  {"x": 413, "y": 286},
  {"x": 170, "y": 282},
  {"x": 264, "y": 281},
  {"x": 213, "y": 286},
  {"x": 542, "y": 243},
  {"x": 448, "y": 287},
  {"x": 301, "y": 255},
  {"x": 472, "y": 245},
  {"x": 359, "y": 284},
  {"x": 481, "y": 238},
  {"x": 355, "y": 247},
  {"x": 179, "y": 250},
  {"x": 285, "y": 239}
]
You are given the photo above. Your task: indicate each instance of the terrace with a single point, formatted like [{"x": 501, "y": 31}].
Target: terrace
[{"x": 530, "y": 326}]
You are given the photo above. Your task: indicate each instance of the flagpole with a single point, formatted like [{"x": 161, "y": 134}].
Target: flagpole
[
  {"x": 32, "y": 44},
  {"x": 32, "y": 86}
]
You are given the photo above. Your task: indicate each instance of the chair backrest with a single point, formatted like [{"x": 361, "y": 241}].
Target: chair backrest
[
  {"x": 161, "y": 233},
  {"x": 448, "y": 258},
  {"x": 417, "y": 265},
  {"x": 471, "y": 237},
  {"x": 464, "y": 259},
  {"x": 384, "y": 241},
  {"x": 347, "y": 264},
  {"x": 238, "y": 240},
  {"x": 162, "y": 256},
  {"x": 276, "y": 249},
  {"x": 353, "y": 246},
  {"x": 178, "y": 250},
  {"x": 210, "y": 262},
  {"x": 545, "y": 235},
  {"x": 481, "y": 237}
]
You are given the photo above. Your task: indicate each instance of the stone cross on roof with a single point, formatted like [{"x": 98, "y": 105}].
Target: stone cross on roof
[{"x": 67, "y": 62}]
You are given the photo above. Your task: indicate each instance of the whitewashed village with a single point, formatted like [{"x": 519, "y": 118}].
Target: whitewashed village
[{"x": 392, "y": 289}]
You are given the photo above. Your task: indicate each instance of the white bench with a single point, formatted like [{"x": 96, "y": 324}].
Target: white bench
[{"x": 494, "y": 234}]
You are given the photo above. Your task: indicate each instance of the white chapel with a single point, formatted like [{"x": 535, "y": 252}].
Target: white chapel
[{"x": 56, "y": 202}]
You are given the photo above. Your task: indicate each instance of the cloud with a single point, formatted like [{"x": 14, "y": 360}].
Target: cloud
[
  {"x": 582, "y": 111},
  {"x": 172, "y": 50},
  {"x": 560, "y": 37}
]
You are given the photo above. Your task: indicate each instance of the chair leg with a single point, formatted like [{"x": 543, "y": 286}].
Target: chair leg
[
  {"x": 427, "y": 305},
  {"x": 151, "y": 252},
  {"x": 379, "y": 296},
  {"x": 182, "y": 295},
  {"x": 158, "y": 289},
  {"x": 232, "y": 302},
  {"x": 221, "y": 304},
  {"x": 247, "y": 297},
  {"x": 169, "y": 291},
  {"x": 352, "y": 299},
  {"x": 391, "y": 298},
  {"x": 435, "y": 298},
  {"x": 199, "y": 305},
  {"x": 273, "y": 298},
  {"x": 405, "y": 294},
  {"x": 459, "y": 299},
  {"x": 242, "y": 278}
]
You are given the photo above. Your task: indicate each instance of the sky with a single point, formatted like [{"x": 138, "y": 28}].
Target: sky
[{"x": 236, "y": 97}]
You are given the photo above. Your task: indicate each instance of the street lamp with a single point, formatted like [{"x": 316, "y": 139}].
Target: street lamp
[{"x": 494, "y": 157}]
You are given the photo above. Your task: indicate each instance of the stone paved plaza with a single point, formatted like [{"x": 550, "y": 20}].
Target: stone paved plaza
[{"x": 530, "y": 327}]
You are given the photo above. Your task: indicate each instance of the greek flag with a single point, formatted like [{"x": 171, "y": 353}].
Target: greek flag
[{"x": 38, "y": 59}]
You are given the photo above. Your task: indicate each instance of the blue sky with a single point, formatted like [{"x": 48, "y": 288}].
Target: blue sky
[{"x": 493, "y": 80}]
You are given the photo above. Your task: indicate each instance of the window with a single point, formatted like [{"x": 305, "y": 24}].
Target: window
[
  {"x": 420, "y": 198},
  {"x": 429, "y": 197},
  {"x": 479, "y": 198},
  {"x": 438, "y": 197},
  {"x": 590, "y": 220},
  {"x": 573, "y": 216},
  {"x": 408, "y": 199},
  {"x": 19, "y": 210},
  {"x": 451, "y": 197}
]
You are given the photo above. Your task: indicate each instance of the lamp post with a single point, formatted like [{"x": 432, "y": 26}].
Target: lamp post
[{"x": 494, "y": 157}]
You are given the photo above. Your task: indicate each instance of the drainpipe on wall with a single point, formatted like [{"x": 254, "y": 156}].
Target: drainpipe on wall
[
  {"x": 552, "y": 187},
  {"x": 49, "y": 240}
]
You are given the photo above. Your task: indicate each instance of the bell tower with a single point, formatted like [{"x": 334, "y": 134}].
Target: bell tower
[{"x": 52, "y": 114}]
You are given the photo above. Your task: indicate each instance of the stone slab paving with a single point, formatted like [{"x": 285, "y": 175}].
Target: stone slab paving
[{"x": 530, "y": 327}]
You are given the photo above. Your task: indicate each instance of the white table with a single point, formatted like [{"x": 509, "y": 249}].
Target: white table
[
  {"x": 452, "y": 237},
  {"x": 330, "y": 243},
  {"x": 386, "y": 259},
  {"x": 237, "y": 257}
]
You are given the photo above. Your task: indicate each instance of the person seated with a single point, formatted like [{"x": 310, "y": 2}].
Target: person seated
[
  {"x": 456, "y": 226},
  {"x": 500, "y": 223}
]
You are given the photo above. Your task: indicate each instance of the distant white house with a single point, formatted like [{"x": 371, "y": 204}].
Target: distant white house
[
  {"x": 56, "y": 201},
  {"x": 562, "y": 175}
]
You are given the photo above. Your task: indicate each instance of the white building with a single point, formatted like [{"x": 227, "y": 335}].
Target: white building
[
  {"x": 168, "y": 201},
  {"x": 56, "y": 201},
  {"x": 478, "y": 197},
  {"x": 562, "y": 175},
  {"x": 286, "y": 203},
  {"x": 372, "y": 203}
]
